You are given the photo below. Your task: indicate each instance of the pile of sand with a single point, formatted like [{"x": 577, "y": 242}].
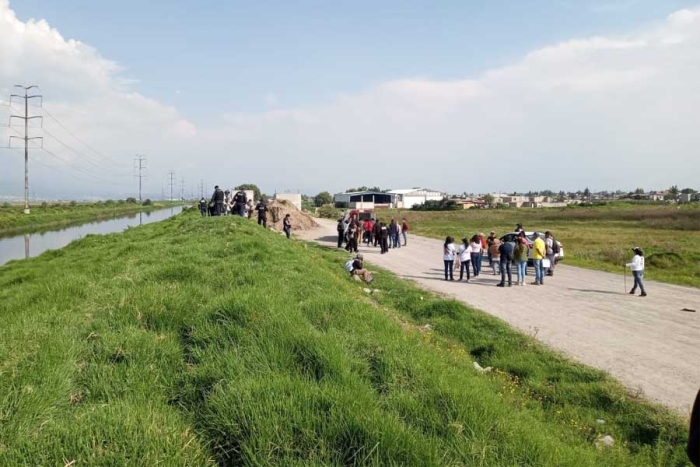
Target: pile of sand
[{"x": 280, "y": 208}]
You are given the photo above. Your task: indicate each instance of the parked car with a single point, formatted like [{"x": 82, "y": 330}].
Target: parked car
[{"x": 530, "y": 236}]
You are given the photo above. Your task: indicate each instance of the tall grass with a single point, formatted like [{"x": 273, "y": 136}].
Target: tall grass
[
  {"x": 213, "y": 342},
  {"x": 593, "y": 237}
]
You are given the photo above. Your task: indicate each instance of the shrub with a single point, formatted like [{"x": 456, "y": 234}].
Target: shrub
[
  {"x": 131, "y": 200},
  {"x": 121, "y": 201},
  {"x": 147, "y": 202},
  {"x": 73, "y": 203},
  {"x": 328, "y": 211},
  {"x": 44, "y": 204},
  {"x": 109, "y": 202}
]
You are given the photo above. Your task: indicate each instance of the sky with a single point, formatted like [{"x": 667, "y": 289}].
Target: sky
[{"x": 457, "y": 96}]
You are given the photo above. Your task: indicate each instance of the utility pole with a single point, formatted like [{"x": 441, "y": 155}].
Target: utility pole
[
  {"x": 139, "y": 163},
  {"x": 201, "y": 188},
  {"x": 171, "y": 174},
  {"x": 182, "y": 189},
  {"x": 26, "y": 138}
]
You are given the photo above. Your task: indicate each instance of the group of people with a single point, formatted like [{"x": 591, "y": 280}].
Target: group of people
[
  {"x": 352, "y": 231},
  {"x": 502, "y": 256},
  {"x": 222, "y": 204}
]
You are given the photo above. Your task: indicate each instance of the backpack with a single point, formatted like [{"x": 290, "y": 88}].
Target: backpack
[
  {"x": 555, "y": 246},
  {"x": 348, "y": 265}
]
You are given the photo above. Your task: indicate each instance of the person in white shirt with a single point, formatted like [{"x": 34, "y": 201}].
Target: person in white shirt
[
  {"x": 464, "y": 253},
  {"x": 448, "y": 256},
  {"x": 476, "y": 251},
  {"x": 637, "y": 267}
]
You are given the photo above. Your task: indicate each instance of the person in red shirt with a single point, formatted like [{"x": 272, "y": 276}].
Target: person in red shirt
[
  {"x": 369, "y": 227},
  {"x": 404, "y": 229}
]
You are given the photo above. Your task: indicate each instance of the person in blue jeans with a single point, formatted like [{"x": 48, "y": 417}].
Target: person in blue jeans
[
  {"x": 477, "y": 251},
  {"x": 637, "y": 266},
  {"x": 520, "y": 256},
  {"x": 448, "y": 256},
  {"x": 506, "y": 249}
]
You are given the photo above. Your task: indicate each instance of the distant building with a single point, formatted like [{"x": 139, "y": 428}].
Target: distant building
[
  {"x": 363, "y": 200},
  {"x": 688, "y": 197},
  {"x": 294, "y": 198},
  {"x": 406, "y": 199}
]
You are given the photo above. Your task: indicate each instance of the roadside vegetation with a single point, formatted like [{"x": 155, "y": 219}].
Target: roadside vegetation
[
  {"x": 596, "y": 237},
  {"x": 47, "y": 216},
  {"x": 214, "y": 342}
]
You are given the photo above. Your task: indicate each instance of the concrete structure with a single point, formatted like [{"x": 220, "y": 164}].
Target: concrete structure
[
  {"x": 406, "y": 199},
  {"x": 688, "y": 197},
  {"x": 363, "y": 200},
  {"x": 294, "y": 198}
]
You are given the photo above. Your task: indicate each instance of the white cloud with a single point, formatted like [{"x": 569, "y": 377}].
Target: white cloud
[{"x": 605, "y": 112}]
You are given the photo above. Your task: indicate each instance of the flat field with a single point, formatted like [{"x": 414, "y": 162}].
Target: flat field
[
  {"x": 54, "y": 215},
  {"x": 214, "y": 342},
  {"x": 593, "y": 237}
]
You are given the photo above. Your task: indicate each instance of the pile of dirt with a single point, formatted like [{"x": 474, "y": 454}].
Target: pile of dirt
[{"x": 280, "y": 208}]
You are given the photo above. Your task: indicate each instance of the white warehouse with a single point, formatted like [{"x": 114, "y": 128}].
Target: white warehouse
[{"x": 406, "y": 199}]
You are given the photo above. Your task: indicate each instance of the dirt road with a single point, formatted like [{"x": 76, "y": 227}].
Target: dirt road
[{"x": 648, "y": 344}]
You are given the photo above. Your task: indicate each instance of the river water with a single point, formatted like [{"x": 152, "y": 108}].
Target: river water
[{"x": 30, "y": 245}]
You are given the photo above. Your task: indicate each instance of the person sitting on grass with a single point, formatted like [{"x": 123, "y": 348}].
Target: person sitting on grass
[{"x": 356, "y": 269}]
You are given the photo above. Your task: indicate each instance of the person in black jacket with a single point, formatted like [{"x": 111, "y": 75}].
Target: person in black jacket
[
  {"x": 341, "y": 232},
  {"x": 506, "y": 249},
  {"x": 239, "y": 201},
  {"x": 694, "y": 438},
  {"x": 261, "y": 208},
  {"x": 203, "y": 207},
  {"x": 218, "y": 199},
  {"x": 287, "y": 225}
]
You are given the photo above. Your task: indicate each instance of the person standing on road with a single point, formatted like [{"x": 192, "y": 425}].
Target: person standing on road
[
  {"x": 369, "y": 227},
  {"x": 539, "y": 252},
  {"x": 393, "y": 233},
  {"x": 218, "y": 199},
  {"x": 489, "y": 242},
  {"x": 495, "y": 255},
  {"x": 404, "y": 231},
  {"x": 552, "y": 250},
  {"x": 476, "y": 251},
  {"x": 384, "y": 237},
  {"x": 287, "y": 225},
  {"x": 353, "y": 233},
  {"x": 376, "y": 232},
  {"x": 637, "y": 267},
  {"x": 464, "y": 254},
  {"x": 520, "y": 254},
  {"x": 506, "y": 251},
  {"x": 448, "y": 256},
  {"x": 203, "y": 206},
  {"x": 262, "y": 209}
]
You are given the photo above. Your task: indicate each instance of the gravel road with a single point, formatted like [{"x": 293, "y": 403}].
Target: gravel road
[{"x": 648, "y": 344}]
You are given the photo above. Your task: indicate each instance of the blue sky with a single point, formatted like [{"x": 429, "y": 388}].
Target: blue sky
[
  {"x": 557, "y": 95},
  {"x": 228, "y": 56}
]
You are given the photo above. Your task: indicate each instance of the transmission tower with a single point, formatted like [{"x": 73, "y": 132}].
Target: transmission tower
[
  {"x": 201, "y": 188},
  {"x": 26, "y": 138},
  {"x": 171, "y": 174},
  {"x": 182, "y": 189},
  {"x": 139, "y": 163}
]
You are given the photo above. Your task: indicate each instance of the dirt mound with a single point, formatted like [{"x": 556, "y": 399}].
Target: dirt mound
[{"x": 280, "y": 208}]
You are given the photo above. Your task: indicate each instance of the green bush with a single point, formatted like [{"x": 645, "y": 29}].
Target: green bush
[
  {"x": 44, "y": 204},
  {"x": 73, "y": 203},
  {"x": 131, "y": 200},
  {"x": 147, "y": 202},
  {"x": 328, "y": 211}
]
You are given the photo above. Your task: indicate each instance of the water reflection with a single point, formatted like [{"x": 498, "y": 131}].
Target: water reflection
[{"x": 18, "y": 247}]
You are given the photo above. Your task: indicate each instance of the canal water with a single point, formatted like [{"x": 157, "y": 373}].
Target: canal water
[{"x": 30, "y": 245}]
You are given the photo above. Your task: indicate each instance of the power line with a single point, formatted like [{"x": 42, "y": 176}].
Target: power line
[{"x": 50, "y": 115}]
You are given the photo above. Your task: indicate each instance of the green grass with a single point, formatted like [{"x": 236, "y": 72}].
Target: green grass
[
  {"x": 214, "y": 342},
  {"x": 48, "y": 216},
  {"x": 593, "y": 237}
]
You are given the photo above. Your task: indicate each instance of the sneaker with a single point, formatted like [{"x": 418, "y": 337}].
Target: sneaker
[
  {"x": 632, "y": 292},
  {"x": 500, "y": 285},
  {"x": 536, "y": 283}
]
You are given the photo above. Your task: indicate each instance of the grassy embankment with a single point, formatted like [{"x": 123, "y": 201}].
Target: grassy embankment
[
  {"x": 213, "y": 342},
  {"x": 593, "y": 237},
  {"x": 46, "y": 216}
]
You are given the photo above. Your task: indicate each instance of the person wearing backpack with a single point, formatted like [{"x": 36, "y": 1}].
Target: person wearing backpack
[
  {"x": 552, "y": 251},
  {"x": 506, "y": 250},
  {"x": 355, "y": 267}
]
